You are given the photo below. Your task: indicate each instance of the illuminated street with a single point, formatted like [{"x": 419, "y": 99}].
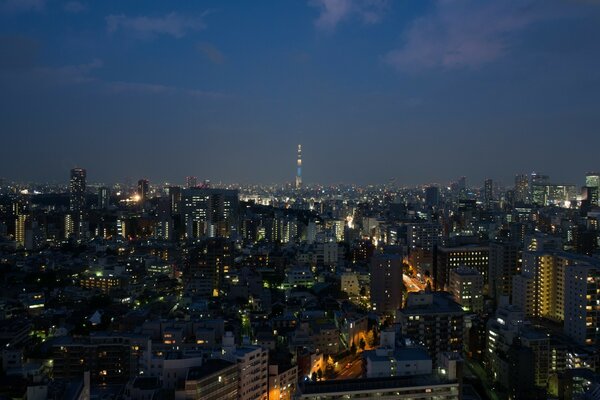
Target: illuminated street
[{"x": 412, "y": 284}]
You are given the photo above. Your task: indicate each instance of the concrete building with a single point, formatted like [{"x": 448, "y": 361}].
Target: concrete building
[
  {"x": 387, "y": 285},
  {"x": 466, "y": 285},
  {"x": 434, "y": 321},
  {"x": 582, "y": 304},
  {"x": 214, "y": 380},
  {"x": 283, "y": 381},
  {"x": 209, "y": 212},
  {"x": 448, "y": 258},
  {"x": 407, "y": 361},
  {"x": 504, "y": 263},
  {"x": 445, "y": 385},
  {"x": 540, "y": 288}
]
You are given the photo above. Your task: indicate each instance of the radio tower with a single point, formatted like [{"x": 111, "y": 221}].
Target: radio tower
[{"x": 299, "y": 172}]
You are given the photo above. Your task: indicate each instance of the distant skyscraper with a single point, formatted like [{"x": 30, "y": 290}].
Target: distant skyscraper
[
  {"x": 103, "y": 197},
  {"x": 209, "y": 212},
  {"x": 488, "y": 192},
  {"x": 77, "y": 190},
  {"x": 592, "y": 180},
  {"x": 191, "y": 182},
  {"x": 143, "y": 189},
  {"x": 174, "y": 193},
  {"x": 299, "y": 171},
  {"x": 432, "y": 196},
  {"x": 521, "y": 188}
]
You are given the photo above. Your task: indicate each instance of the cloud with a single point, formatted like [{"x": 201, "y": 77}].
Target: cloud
[
  {"x": 465, "y": 33},
  {"x": 172, "y": 24},
  {"x": 17, "y": 6},
  {"x": 74, "y": 7},
  {"x": 157, "y": 89},
  {"x": 333, "y": 12},
  {"x": 71, "y": 74},
  {"x": 211, "y": 52},
  {"x": 17, "y": 52}
]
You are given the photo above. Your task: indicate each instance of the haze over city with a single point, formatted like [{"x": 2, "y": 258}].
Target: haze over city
[
  {"x": 416, "y": 91},
  {"x": 300, "y": 200}
]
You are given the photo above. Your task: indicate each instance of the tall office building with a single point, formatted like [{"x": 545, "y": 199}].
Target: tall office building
[
  {"x": 209, "y": 212},
  {"x": 77, "y": 186},
  {"x": 387, "y": 285},
  {"x": 20, "y": 228},
  {"x": 488, "y": 193},
  {"x": 207, "y": 266},
  {"x": 143, "y": 187},
  {"x": 521, "y": 188},
  {"x": 504, "y": 263},
  {"x": 103, "y": 198},
  {"x": 466, "y": 285},
  {"x": 299, "y": 170},
  {"x": 422, "y": 239},
  {"x": 432, "y": 196},
  {"x": 592, "y": 180},
  {"x": 174, "y": 193},
  {"x": 449, "y": 258}
]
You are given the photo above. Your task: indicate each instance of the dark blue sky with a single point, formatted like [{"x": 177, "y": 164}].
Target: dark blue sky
[{"x": 416, "y": 90}]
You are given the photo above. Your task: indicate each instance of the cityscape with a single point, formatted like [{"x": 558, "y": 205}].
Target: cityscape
[{"x": 310, "y": 235}]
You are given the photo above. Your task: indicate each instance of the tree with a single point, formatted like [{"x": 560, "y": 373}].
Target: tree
[
  {"x": 362, "y": 344},
  {"x": 371, "y": 338}
]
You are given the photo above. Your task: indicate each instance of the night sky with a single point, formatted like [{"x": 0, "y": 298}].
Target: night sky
[{"x": 419, "y": 91}]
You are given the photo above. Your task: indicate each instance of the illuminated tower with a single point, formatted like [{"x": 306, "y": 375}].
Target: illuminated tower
[
  {"x": 299, "y": 172},
  {"x": 77, "y": 190}
]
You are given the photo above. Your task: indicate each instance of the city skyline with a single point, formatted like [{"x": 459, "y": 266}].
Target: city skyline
[{"x": 374, "y": 90}]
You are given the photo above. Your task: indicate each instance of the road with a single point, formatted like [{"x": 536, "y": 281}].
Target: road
[
  {"x": 478, "y": 371},
  {"x": 413, "y": 284},
  {"x": 353, "y": 371}
]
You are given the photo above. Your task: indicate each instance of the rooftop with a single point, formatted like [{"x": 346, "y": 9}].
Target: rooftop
[{"x": 209, "y": 367}]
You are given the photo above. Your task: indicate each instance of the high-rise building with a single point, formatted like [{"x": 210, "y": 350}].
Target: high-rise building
[
  {"x": 521, "y": 188},
  {"x": 209, "y": 212},
  {"x": 299, "y": 170},
  {"x": 214, "y": 379},
  {"x": 592, "y": 180},
  {"x": 540, "y": 288},
  {"x": 283, "y": 379},
  {"x": 582, "y": 304},
  {"x": 466, "y": 285},
  {"x": 208, "y": 265},
  {"x": 488, "y": 193},
  {"x": 165, "y": 227},
  {"x": 143, "y": 187},
  {"x": 174, "y": 193},
  {"x": 191, "y": 182},
  {"x": 422, "y": 239},
  {"x": 432, "y": 196},
  {"x": 425, "y": 235},
  {"x": 77, "y": 185},
  {"x": 387, "y": 285},
  {"x": 435, "y": 321},
  {"x": 449, "y": 258},
  {"x": 20, "y": 228},
  {"x": 504, "y": 263},
  {"x": 253, "y": 381},
  {"x": 103, "y": 198}
]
